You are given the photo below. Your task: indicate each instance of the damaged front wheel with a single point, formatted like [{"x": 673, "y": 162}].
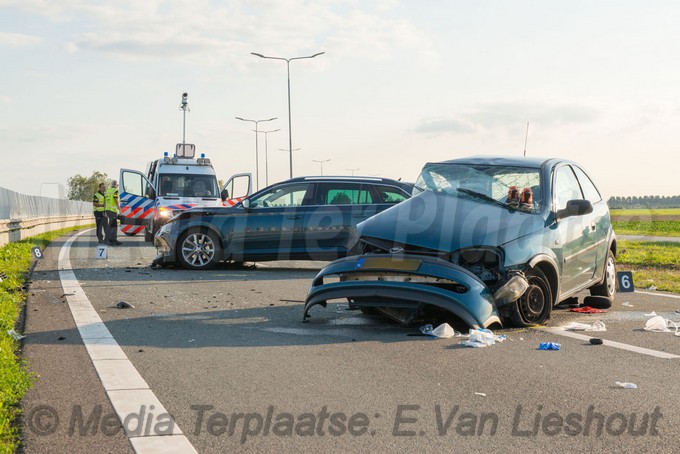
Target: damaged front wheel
[{"x": 534, "y": 306}]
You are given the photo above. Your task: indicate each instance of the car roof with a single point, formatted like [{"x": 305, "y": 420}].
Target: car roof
[
  {"x": 356, "y": 179},
  {"x": 517, "y": 161}
]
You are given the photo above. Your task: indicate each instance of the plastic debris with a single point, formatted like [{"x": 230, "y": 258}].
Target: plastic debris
[
  {"x": 626, "y": 385},
  {"x": 658, "y": 324},
  {"x": 596, "y": 341},
  {"x": 482, "y": 338},
  {"x": 651, "y": 314},
  {"x": 627, "y": 304},
  {"x": 443, "y": 331},
  {"x": 549, "y": 346},
  {"x": 587, "y": 310},
  {"x": 575, "y": 326},
  {"x": 124, "y": 305},
  {"x": 480, "y": 394},
  {"x": 652, "y": 288},
  {"x": 14, "y": 335}
]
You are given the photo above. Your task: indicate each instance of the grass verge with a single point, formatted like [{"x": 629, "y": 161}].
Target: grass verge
[
  {"x": 652, "y": 263},
  {"x": 648, "y": 228},
  {"x": 15, "y": 380}
]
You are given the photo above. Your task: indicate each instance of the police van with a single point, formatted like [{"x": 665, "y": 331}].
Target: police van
[{"x": 171, "y": 185}]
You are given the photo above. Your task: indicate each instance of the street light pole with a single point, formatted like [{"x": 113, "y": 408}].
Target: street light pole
[
  {"x": 257, "y": 158},
  {"x": 352, "y": 170},
  {"x": 266, "y": 158},
  {"x": 321, "y": 164},
  {"x": 290, "y": 134}
]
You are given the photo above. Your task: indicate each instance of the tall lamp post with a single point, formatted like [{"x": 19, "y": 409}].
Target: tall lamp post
[
  {"x": 288, "y": 60},
  {"x": 266, "y": 158},
  {"x": 257, "y": 158},
  {"x": 352, "y": 170},
  {"x": 321, "y": 164}
]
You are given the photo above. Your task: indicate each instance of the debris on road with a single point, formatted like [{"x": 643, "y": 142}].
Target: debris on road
[
  {"x": 596, "y": 341},
  {"x": 549, "y": 346},
  {"x": 627, "y": 304},
  {"x": 626, "y": 385},
  {"x": 587, "y": 310},
  {"x": 482, "y": 338},
  {"x": 480, "y": 394},
  {"x": 658, "y": 324},
  {"x": 652, "y": 288},
  {"x": 124, "y": 305},
  {"x": 14, "y": 335},
  {"x": 443, "y": 331},
  {"x": 575, "y": 326}
]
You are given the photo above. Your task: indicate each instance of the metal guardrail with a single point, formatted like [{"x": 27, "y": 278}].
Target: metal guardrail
[{"x": 22, "y": 216}]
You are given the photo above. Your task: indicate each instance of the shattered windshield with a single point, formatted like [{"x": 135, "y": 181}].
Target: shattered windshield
[{"x": 515, "y": 187}]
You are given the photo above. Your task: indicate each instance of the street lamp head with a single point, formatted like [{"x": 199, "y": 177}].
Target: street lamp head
[
  {"x": 317, "y": 54},
  {"x": 258, "y": 55}
]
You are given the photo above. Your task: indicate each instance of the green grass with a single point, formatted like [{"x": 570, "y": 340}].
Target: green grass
[
  {"x": 645, "y": 212},
  {"x": 15, "y": 380},
  {"x": 652, "y": 263},
  {"x": 649, "y": 228}
]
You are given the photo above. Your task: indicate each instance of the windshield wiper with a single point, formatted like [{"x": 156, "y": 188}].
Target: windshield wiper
[{"x": 485, "y": 197}]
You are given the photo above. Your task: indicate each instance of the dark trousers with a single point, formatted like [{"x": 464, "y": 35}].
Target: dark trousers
[
  {"x": 99, "y": 219},
  {"x": 111, "y": 226}
]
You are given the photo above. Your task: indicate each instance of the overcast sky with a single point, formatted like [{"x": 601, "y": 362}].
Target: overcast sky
[{"x": 96, "y": 85}]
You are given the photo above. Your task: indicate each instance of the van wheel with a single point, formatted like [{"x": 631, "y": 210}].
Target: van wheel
[
  {"x": 198, "y": 250},
  {"x": 608, "y": 285},
  {"x": 534, "y": 307}
]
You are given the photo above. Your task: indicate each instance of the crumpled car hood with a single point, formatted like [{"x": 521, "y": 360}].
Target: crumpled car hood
[{"x": 447, "y": 223}]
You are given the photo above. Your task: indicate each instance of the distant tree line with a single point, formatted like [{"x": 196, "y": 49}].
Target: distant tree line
[{"x": 645, "y": 201}]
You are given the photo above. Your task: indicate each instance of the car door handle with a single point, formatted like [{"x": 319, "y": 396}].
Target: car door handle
[
  {"x": 359, "y": 215},
  {"x": 297, "y": 216}
]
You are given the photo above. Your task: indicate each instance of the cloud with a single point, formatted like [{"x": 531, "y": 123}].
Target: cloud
[
  {"x": 18, "y": 39},
  {"x": 5, "y": 100},
  {"x": 507, "y": 115},
  {"x": 207, "y": 33}
]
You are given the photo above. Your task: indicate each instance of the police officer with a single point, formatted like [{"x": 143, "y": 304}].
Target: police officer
[
  {"x": 98, "y": 206},
  {"x": 112, "y": 207}
]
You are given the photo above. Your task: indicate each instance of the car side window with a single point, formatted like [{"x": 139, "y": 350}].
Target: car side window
[
  {"x": 566, "y": 187},
  {"x": 281, "y": 197},
  {"x": 343, "y": 194},
  {"x": 389, "y": 194},
  {"x": 589, "y": 190}
]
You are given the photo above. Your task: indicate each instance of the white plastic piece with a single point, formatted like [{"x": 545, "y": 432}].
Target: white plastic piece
[
  {"x": 14, "y": 335},
  {"x": 626, "y": 385}
]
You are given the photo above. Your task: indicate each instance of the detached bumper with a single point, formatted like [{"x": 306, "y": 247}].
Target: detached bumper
[{"x": 405, "y": 282}]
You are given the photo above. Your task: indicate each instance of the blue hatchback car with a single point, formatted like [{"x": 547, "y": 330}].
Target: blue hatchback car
[{"x": 489, "y": 240}]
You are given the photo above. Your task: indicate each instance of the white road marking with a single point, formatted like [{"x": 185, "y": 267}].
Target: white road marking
[
  {"x": 658, "y": 294},
  {"x": 622, "y": 346},
  {"x": 137, "y": 407}
]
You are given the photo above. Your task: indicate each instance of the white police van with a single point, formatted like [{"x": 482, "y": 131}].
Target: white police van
[{"x": 172, "y": 185}]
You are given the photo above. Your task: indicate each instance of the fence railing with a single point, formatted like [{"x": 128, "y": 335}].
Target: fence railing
[{"x": 22, "y": 215}]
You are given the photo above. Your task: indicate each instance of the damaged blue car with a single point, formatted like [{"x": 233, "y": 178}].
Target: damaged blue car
[{"x": 487, "y": 241}]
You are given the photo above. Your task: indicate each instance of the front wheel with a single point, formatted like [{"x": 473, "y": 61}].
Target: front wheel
[
  {"x": 198, "y": 250},
  {"x": 534, "y": 307},
  {"x": 608, "y": 285}
]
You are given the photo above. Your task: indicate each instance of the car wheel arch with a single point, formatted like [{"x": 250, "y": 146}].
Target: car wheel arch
[
  {"x": 548, "y": 266},
  {"x": 198, "y": 228}
]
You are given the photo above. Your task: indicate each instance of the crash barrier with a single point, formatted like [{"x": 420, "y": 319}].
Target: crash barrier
[{"x": 22, "y": 216}]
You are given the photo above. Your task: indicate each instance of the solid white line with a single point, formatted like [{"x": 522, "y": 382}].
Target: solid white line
[
  {"x": 135, "y": 404},
  {"x": 622, "y": 346},
  {"x": 658, "y": 294}
]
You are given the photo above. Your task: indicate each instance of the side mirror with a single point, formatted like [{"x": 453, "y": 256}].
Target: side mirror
[
  {"x": 224, "y": 195},
  {"x": 246, "y": 204},
  {"x": 152, "y": 193},
  {"x": 577, "y": 207}
]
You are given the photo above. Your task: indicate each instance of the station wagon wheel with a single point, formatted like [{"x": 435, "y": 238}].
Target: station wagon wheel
[
  {"x": 534, "y": 307},
  {"x": 608, "y": 285},
  {"x": 198, "y": 250}
]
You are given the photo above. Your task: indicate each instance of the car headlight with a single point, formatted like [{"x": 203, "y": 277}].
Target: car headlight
[{"x": 165, "y": 213}]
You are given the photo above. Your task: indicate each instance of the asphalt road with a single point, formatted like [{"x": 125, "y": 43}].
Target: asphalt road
[{"x": 225, "y": 351}]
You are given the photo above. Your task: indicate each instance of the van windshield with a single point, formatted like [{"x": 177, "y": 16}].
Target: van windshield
[{"x": 183, "y": 185}]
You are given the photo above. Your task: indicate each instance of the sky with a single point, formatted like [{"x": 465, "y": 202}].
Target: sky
[{"x": 96, "y": 85}]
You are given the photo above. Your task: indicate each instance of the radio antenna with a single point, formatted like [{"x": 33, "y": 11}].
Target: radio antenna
[{"x": 526, "y": 137}]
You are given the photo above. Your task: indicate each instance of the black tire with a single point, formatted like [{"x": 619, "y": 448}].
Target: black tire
[
  {"x": 198, "y": 250},
  {"x": 598, "y": 302},
  {"x": 609, "y": 285},
  {"x": 534, "y": 307},
  {"x": 129, "y": 234}
]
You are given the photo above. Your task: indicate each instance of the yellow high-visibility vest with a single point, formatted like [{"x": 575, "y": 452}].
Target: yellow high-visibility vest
[
  {"x": 111, "y": 196},
  {"x": 99, "y": 198}
]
